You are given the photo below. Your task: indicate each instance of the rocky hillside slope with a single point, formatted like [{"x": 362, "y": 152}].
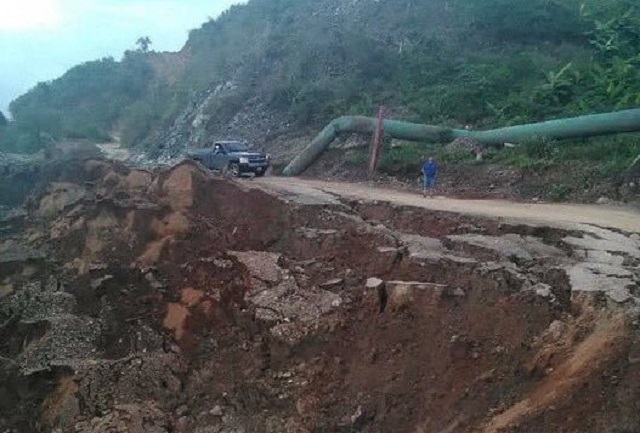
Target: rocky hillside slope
[{"x": 271, "y": 70}]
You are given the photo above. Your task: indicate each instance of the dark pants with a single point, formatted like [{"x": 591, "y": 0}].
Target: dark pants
[{"x": 429, "y": 181}]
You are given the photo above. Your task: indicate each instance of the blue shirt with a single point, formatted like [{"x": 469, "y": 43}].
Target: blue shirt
[{"x": 430, "y": 169}]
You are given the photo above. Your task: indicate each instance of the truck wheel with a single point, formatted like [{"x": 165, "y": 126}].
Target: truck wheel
[
  {"x": 234, "y": 170},
  {"x": 262, "y": 173},
  {"x": 226, "y": 171}
]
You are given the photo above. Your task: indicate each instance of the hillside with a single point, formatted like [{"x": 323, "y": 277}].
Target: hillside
[
  {"x": 274, "y": 71},
  {"x": 144, "y": 293}
]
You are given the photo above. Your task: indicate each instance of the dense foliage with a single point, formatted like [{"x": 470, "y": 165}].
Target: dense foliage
[
  {"x": 458, "y": 62},
  {"x": 88, "y": 101}
]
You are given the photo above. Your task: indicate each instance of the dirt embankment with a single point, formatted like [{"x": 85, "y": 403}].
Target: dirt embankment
[{"x": 182, "y": 302}]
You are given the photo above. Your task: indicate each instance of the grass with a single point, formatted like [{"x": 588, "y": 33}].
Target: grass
[
  {"x": 407, "y": 158},
  {"x": 402, "y": 159},
  {"x": 608, "y": 156},
  {"x": 357, "y": 156},
  {"x": 562, "y": 169}
]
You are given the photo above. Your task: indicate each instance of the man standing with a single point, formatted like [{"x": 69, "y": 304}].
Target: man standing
[{"x": 430, "y": 170}]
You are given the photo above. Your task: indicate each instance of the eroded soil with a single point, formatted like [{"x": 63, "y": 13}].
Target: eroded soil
[{"x": 134, "y": 301}]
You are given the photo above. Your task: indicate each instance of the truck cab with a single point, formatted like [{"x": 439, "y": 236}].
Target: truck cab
[{"x": 233, "y": 157}]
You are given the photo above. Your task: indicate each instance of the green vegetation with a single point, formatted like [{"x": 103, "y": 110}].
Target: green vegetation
[
  {"x": 455, "y": 62},
  {"x": 143, "y": 44},
  {"x": 557, "y": 171},
  {"x": 603, "y": 157},
  {"x": 89, "y": 101}
]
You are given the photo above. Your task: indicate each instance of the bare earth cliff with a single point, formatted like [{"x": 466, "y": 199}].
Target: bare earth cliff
[{"x": 178, "y": 301}]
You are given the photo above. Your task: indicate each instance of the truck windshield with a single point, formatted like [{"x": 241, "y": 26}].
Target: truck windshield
[{"x": 235, "y": 147}]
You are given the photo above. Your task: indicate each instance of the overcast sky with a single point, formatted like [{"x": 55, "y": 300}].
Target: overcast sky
[{"x": 41, "y": 39}]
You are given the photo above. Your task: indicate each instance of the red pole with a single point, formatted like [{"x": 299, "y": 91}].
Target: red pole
[{"x": 377, "y": 142}]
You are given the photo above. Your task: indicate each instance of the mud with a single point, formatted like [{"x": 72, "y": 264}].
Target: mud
[{"x": 179, "y": 301}]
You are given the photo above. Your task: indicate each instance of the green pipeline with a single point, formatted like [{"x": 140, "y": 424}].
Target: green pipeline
[{"x": 560, "y": 129}]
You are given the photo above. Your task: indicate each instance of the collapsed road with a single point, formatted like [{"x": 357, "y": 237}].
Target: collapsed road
[
  {"x": 179, "y": 301},
  {"x": 556, "y": 215}
]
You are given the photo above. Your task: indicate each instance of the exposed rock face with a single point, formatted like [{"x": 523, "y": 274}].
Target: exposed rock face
[
  {"x": 252, "y": 123},
  {"x": 238, "y": 101},
  {"x": 181, "y": 302}
]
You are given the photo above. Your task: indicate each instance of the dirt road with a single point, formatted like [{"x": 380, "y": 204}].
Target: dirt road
[{"x": 315, "y": 191}]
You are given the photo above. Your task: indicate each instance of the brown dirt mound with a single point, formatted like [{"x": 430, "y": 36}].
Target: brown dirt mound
[{"x": 183, "y": 302}]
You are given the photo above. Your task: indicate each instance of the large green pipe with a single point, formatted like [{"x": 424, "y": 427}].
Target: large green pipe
[{"x": 560, "y": 129}]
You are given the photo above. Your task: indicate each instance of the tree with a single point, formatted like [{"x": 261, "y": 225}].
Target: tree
[
  {"x": 3, "y": 119},
  {"x": 143, "y": 44}
]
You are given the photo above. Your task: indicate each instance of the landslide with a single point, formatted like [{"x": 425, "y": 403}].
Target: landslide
[{"x": 180, "y": 301}]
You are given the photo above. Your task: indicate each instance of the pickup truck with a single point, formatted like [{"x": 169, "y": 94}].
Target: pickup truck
[{"x": 232, "y": 157}]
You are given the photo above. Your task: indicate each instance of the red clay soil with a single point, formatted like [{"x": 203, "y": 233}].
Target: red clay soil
[{"x": 222, "y": 308}]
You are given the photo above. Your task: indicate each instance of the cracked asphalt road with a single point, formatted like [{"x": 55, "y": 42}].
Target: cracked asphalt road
[{"x": 560, "y": 215}]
